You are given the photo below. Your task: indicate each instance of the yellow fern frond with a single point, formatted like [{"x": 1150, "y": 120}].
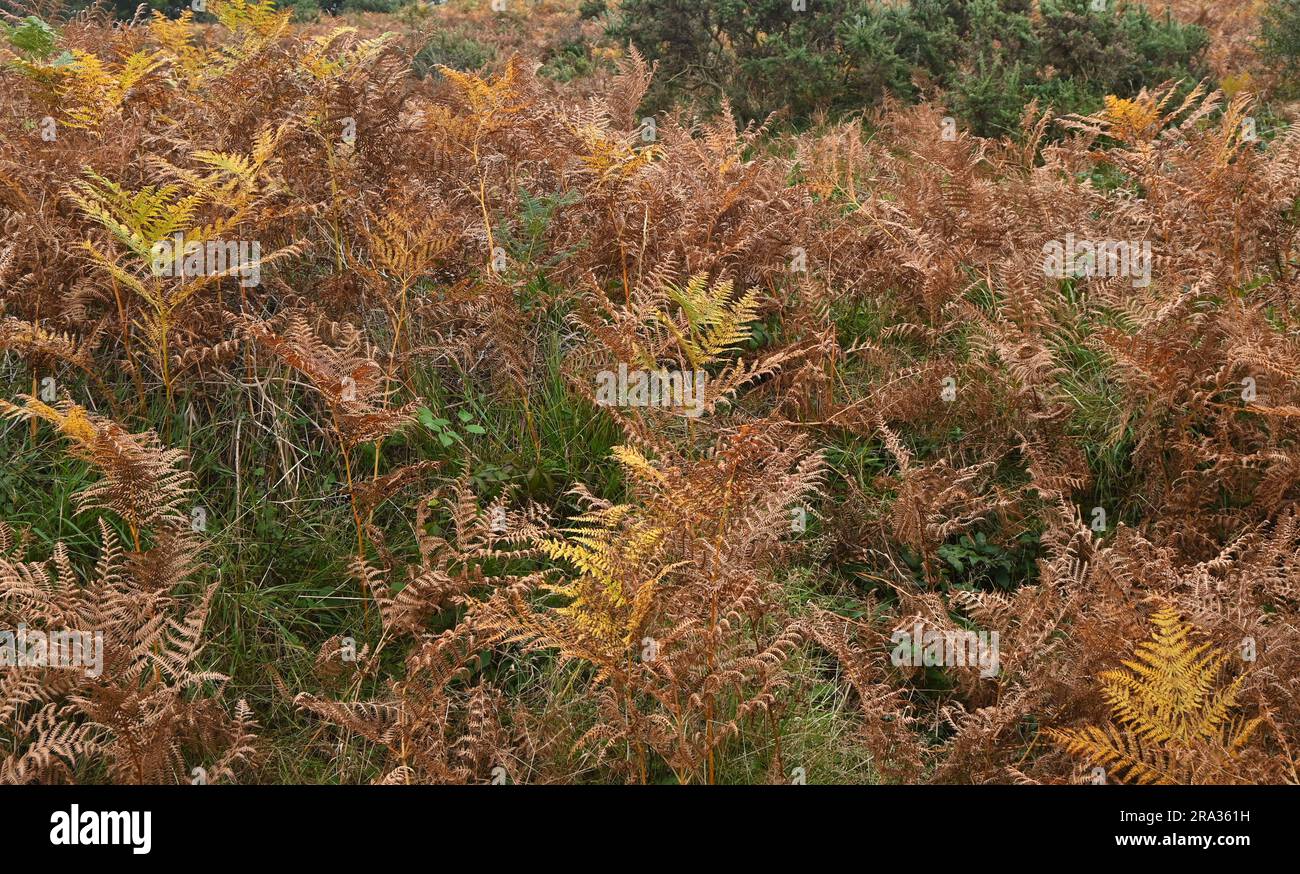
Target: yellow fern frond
[
  {"x": 609, "y": 158},
  {"x": 138, "y": 219},
  {"x": 176, "y": 40},
  {"x": 316, "y": 62},
  {"x": 1167, "y": 700},
  {"x": 91, "y": 90},
  {"x": 636, "y": 464},
  {"x": 72, "y": 422},
  {"x": 259, "y": 17},
  {"x": 1132, "y": 120},
  {"x": 489, "y": 99}
]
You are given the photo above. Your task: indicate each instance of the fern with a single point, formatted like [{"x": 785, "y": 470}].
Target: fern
[
  {"x": 151, "y": 700},
  {"x": 1167, "y": 703},
  {"x": 712, "y": 323}
]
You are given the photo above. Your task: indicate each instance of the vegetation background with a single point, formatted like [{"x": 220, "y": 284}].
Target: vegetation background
[{"x": 366, "y": 520}]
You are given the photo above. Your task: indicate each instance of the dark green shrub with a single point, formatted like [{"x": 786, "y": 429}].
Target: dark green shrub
[
  {"x": 986, "y": 58},
  {"x": 452, "y": 48},
  {"x": 1118, "y": 53},
  {"x": 1280, "y": 41},
  {"x": 373, "y": 5},
  {"x": 303, "y": 10},
  {"x": 568, "y": 61},
  {"x": 761, "y": 55}
]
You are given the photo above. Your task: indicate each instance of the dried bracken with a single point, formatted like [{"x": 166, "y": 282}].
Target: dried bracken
[
  {"x": 129, "y": 694},
  {"x": 547, "y": 439}
]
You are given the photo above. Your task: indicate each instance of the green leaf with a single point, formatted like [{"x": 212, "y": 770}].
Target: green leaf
[{"x": 33, "y": 38}]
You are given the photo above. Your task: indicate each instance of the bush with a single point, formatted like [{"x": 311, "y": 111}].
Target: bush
[
  {"x": 989, "y": 57},
  {"x": 303, "y": 10},
  {"x": 373, "y": 5},
  {"x": 771, "y": 56},
  {"x": 1280, "y": 39},
  {"x": 568, "y": 61},
  {"x": 452, "y": 48}
]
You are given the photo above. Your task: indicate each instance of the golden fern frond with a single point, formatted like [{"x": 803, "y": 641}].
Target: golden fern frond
[
  {"x": 1167, "y": 703},
  {"x": 1167, "y": 692},
  {"x": 90, "y": 90},
  {"x": 318, "y": 65},
  {"x": 612, "y": 549},
  {"x": 176, "y": 38},
  {"x": 258, "y": 18},
  {"x": 33, "y": 341},
  {"x": 1125, "y": 756},
  {"x": 612, "y": 158},
  {"x": 405, "y": 245},
  {"x": 490, "y": 100},
  {"x": 238, "y": 167}
]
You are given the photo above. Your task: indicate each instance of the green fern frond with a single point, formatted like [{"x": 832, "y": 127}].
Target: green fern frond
[
  {"x": 714, "y": 323},
  {"x": 137, "y": 219}
]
